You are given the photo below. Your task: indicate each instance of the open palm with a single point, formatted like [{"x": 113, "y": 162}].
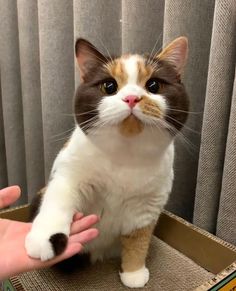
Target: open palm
[{"x": 14, "y": 259}]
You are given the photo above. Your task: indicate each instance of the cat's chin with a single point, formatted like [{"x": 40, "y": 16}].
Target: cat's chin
[{"x": 131, "y": 126}]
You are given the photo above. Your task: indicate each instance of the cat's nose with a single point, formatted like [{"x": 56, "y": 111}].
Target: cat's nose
[{"x": 132, "y": 100}]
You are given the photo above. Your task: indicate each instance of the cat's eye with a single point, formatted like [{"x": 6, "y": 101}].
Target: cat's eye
[
  {"x": 109, "y": 87},
  {"x": 152, "y": 86}
]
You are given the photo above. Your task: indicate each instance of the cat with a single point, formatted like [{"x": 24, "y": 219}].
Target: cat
[{"x": 118, "y": 162}]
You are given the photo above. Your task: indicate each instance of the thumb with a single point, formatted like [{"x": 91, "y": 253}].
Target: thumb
[{"x": 9, "y": 195}]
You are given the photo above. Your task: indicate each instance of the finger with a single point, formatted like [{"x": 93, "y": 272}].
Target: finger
[
  {"x": 9, "y": 195},
  {"x": 83, "y": 223},
  {"x": 84, "y": 236},
  {"x": 77, "y": 216}
]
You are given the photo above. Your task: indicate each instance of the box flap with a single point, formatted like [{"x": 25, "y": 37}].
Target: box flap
[{"x": 205, "y": 249}]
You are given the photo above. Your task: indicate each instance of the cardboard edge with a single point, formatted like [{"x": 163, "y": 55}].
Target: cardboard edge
[
  {"x": 217, "y": 279},
  {"x": 205, "y": 249},
  {"x": 174, "y": 231},
  {"x": 17, "y": 284},
  {"x": 20, "y": 213}
]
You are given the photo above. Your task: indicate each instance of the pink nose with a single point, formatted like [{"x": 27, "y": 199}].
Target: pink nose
[{"x": 132, "y": 100}]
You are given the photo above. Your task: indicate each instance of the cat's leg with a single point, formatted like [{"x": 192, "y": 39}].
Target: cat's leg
[
  {"x": 135, "y": 246},
  {"x": 50, "y": 230}
]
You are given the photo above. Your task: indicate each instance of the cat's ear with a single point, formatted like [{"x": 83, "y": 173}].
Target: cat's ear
[
  {"x": 86, "y": 52},
  {"x": 176, "y": 53}
]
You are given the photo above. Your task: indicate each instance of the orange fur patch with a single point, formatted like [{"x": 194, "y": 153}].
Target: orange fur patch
[
  {"x": 144, "y": 73},
  {"x": 135, "y": 248},
  {"x": 117, "y": 71},
  {"x": 131, "y": 126},
  {"x": 150, "y": 107},
  {"x": 66, "y": 144}
]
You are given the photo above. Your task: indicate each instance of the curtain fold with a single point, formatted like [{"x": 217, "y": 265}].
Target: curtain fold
[
  {"x": 31, "y": 93},
  {"x": 3, "y": 164},
  {"x": 56, "y": 44},
  {"x": 216, "y": 115},
  {"x": 38, "y": 76},
  {"x": 100, "y": 22},
  {"x": 226, "y": 222},
  {"x": 11, "y": 96},
  {"x": 193, "y": 19},
  {"x": 142, "y": 26}
]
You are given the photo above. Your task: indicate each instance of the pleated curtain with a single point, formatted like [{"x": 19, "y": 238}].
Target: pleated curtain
[{"x": 39, "y": 76}]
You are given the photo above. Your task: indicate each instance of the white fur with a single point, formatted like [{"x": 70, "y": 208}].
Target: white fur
[
  {"x": 126, "y": 181},
  {"x": 131, "y": 178},
  {"x": 136, "y": 279},
  {"x": 113, "y": 109},
  {"x": 130, "y": 66}
]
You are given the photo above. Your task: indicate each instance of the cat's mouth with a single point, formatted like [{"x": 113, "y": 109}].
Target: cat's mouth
[{"x": 144, "y": 113}]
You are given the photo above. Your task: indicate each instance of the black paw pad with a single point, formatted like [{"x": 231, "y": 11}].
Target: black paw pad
[{"x": 59, "y": 243}]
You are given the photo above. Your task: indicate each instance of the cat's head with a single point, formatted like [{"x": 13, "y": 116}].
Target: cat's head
[{"x": 131, "y": 93}]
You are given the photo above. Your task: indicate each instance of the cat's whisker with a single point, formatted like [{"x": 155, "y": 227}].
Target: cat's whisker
[
  {"x": 98, "y": 124},
  {"x": 189, "y": 112},
  {"x": 64, "y": 132},
  {"x": 60, "y": 139},
  {"x": 152, "y": 126},
  {"x": 96, "y": 57},
  {"x": 89, "y": 126},
  {"x": 158, "y": 126},
  {"x": 111, "y": 59},
  {"x": 88, "y": 123},
  {"x": 180, "y": 136},
  {"x": 79, "y": 114},
  {"x": 85, "y": 113},
  {"x": 88, "y": 120},
  {"x": 67, "y": 114},
  {"x": 175, "y": 120},
  {"x": 94, "y": 106},
  {"x": 191, "y": 148},
  {"x": 153, "y": 49},
  {"x": 66, "y": 137},
  {"x": 183, "y": 125},
  {"x": 155, "y": 65},
  {"x": 93, "y": 122},
  {"x": 186, "y": 141},
  {"x": 96, "y": 127}
]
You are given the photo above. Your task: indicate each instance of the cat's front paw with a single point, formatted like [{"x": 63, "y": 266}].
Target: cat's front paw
[
  {"x": 44, "y": 246},
  {"x": 136, "y": 279}
]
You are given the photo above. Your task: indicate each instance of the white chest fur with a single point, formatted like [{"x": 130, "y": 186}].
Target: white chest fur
[{"x": 127, "y": 184}]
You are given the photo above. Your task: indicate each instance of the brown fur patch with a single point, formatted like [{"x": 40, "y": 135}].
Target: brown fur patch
[
  {"x": 35, "y": 203},
  {"x": 144, "y": 73},
  {"x": 59, "y": 243},
  {"x": 131, "y": 126},
  {"x": 117, "y": 71},
  {"x": 150, "y": 107},
  {"x": 135, "y": 248}
]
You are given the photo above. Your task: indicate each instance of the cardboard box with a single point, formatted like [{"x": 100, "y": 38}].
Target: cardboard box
[{"x": 181, "y": 257}]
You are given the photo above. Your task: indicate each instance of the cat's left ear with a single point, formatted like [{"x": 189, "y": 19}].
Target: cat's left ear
[
  {"x": 176, "y": 53},
  {"x": 86, "y": 52}
]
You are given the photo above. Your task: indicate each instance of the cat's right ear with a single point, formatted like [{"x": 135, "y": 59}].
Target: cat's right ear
[{"x": 86, "y": 52}]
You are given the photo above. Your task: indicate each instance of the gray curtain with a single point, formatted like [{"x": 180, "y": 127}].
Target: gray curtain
[{"x": 38, "y": 79}]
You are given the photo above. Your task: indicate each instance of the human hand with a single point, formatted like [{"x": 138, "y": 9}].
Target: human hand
[
  {"x": 14, "y": 259},
  {"x": 9, "y": 195}
]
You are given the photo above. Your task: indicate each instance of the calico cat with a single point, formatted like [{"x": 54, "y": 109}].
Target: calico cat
[{"x": 118, "y": 163}]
